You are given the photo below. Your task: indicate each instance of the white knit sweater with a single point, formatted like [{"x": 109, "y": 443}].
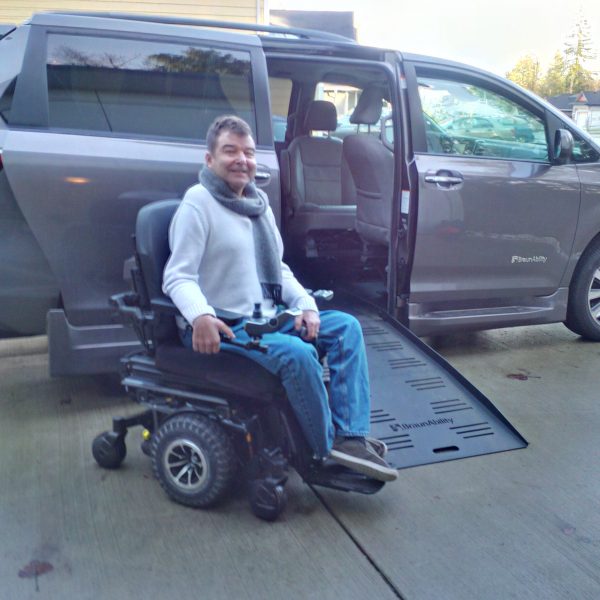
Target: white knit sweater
[{"x": 212, "y": 263}]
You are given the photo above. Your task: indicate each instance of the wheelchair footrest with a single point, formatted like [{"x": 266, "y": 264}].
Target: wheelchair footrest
[{"x": 338, "y": 477}]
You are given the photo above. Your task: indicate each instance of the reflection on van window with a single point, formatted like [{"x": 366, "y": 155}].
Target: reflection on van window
[
  {"x": 148, "y": 88},
  {"x": 462, "y": 118}
]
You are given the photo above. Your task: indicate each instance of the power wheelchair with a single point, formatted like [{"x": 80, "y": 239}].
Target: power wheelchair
[{"x": 208, "y": 419}]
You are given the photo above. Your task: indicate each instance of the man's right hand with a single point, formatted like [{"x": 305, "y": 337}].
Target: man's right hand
[{"x": 206, "y": 336}]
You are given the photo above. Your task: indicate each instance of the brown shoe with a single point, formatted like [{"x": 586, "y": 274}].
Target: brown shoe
[
  {"x": 356, "y": 454},
  {"x": 380, "y": 448}
]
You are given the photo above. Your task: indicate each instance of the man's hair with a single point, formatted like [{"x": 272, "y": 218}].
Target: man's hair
[{"x": 225, "y": 123}]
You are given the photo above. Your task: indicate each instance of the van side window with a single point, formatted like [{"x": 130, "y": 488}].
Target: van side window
[
  {"x": 345, "y": 98},
  {"x": 123, "y": 86},
  {"x": 583, "y": 152},
  {"x": 463, "y": 118}
]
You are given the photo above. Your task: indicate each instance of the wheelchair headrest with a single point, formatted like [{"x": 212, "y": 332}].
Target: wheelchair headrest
[{"x": 152, "y": 242}]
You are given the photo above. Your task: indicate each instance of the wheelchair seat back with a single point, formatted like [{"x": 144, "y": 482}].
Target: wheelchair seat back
[
  {"x": 231, "y": 375},
  {"x": 152, "y": 243}
]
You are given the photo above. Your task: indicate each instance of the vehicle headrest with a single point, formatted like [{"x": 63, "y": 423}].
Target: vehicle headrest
[
  {"x": 321, "y": 115},
  {"x": 368, "y": 108}
]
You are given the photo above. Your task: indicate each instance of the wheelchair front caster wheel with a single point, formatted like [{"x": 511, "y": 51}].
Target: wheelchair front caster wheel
[
  {"x": 109, "y": 449},
  {"x": 267, "y": 501}
]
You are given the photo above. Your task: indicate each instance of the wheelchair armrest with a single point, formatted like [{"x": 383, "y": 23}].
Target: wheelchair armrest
[
  {"x": 227, "y": 316},
  {"x": 165, "y": 306},
  {"x": 127, "y": 304}
]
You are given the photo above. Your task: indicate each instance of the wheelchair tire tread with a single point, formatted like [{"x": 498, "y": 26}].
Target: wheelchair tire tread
[{"x": 218, "y": 451}]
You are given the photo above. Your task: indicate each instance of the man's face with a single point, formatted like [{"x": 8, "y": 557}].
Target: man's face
[{"x": 233, "y": 160}]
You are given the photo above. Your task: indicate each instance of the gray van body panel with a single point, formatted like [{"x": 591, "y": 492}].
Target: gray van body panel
[
  {"x": 460, "y": 242},
  {"x": 588, "y": 229},
  {"x": 110, "y": 25},
  {"x": 500, "y": 248},
  {"x": 29, "y": 288},
  {"x": 97, "y": 177}
]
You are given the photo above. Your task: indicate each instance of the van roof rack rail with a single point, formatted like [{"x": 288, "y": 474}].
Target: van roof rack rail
[
  {"x": 275, "y": 29},
  {"x": 6, "y": 28}
]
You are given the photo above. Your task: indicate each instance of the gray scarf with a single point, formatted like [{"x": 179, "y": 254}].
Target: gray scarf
[{"x": 253, "y": 205}]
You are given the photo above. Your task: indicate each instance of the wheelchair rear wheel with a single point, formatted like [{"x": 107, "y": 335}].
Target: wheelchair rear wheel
[{"x": 193, "y": 459}]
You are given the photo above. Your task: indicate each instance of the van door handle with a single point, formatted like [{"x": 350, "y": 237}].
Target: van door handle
[
  {"x": 262, "y": 175},
  {"x": 444, "y": 179}
]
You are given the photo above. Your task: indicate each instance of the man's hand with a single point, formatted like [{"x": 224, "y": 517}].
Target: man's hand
[
  {"x": 206, "y": 334},
  {"x": 310, "y": 320}
]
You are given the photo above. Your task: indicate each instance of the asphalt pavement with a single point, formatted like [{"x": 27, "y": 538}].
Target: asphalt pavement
[{"x": 521, "y": 524}]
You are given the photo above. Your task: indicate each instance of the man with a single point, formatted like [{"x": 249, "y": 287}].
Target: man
[{"x": 226, "y": 252}]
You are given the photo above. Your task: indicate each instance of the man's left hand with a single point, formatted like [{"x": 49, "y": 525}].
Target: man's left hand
[{"x": 311, "y": 321}]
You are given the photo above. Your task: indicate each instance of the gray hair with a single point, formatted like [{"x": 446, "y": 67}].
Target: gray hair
[{"x": 226, "y": 123}]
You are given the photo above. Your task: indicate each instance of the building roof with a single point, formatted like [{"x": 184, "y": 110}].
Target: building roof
[
  {"x": 563, "y": 101},
  {"x": 589, "y": 98}
]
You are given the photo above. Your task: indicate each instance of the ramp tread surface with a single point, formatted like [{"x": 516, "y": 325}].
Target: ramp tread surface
[{"x": 419, "y": 406}]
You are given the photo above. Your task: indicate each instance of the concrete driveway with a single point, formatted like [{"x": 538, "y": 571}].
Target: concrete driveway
[{"x": 522, "y": 524}]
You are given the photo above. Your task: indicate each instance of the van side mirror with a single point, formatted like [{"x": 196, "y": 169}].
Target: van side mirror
[{"x": 563, "y": 146}]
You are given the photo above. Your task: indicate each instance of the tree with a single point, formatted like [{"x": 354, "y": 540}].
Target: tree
[
  {"x": 555, "y": 80},
  {"x": 526, "y": 73},
  {"x": 567, "y": 73},
  {"x": 578, "y": 49},
  {"x": 197, "y": 60}
]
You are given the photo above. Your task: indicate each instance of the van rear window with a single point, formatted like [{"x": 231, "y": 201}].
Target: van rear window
[{"x": 117, "y": 85}]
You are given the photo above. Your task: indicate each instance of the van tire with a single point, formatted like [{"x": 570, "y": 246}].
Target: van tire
[{"x": 582, "y": 301}]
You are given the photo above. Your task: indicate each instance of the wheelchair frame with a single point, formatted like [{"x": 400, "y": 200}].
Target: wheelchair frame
[{"x": 198, "y": 440}]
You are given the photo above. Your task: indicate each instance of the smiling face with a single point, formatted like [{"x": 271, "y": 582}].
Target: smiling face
[{"x": 233, "y": 160}]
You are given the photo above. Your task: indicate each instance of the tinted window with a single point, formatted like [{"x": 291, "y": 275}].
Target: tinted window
[
  {"x": 345, "y": 98},
  {"x": 462, "y": 118},
  {"x": 145, "y": 88},
  {"x": 583, "y": 152}
]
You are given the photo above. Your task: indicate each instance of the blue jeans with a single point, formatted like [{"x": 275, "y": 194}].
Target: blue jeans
[{"x": 347, "y": 409}]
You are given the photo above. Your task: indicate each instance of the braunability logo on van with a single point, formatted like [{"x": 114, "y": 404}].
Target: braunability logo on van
[{"x": 529, "y": 259}]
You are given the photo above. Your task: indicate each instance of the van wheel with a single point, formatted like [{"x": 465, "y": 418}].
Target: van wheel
[
  {"x": 583, "y": 312},
  {"x": 193, "y": 459}
]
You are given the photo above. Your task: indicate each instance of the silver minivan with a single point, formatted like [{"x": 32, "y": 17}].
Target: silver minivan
[{"x": 450, "y": 198}]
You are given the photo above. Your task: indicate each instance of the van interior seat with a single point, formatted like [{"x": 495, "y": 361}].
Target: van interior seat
[
  {"x": 316, "y": 180},
  {"x": 372, "y": 167}
]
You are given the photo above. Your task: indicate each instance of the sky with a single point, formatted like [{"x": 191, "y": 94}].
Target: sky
[{"x": 489, "y": 35}]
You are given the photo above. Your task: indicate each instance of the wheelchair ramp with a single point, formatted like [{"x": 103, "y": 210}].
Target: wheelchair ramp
[{"x": 424, "y": 410}]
